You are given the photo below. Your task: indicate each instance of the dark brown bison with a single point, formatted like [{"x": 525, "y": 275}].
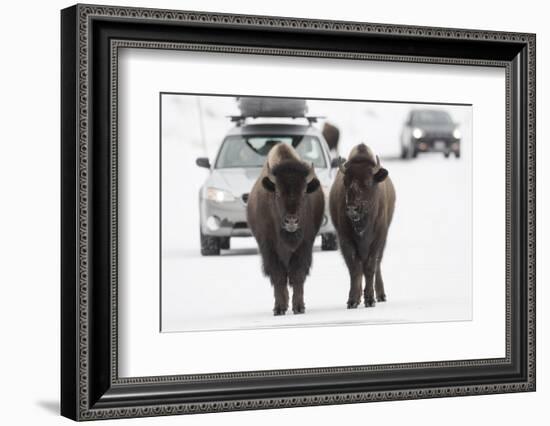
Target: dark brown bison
[
  {"x": 331, "y": 135},
  {"x": 362, "y": 201},
  {"x": 284, "y": 212}
]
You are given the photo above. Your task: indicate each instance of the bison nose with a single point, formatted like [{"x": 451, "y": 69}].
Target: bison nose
[
  {"x": 353, "y": 212},
  {"x": 291, "y": 219},
  {"x": 290, "y": 222}
]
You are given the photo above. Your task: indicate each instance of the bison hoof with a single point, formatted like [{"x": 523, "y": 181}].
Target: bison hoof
[
  {"x": 299, "y": 310},
  {"x": 352, "y": 304},
  {"x": 381, "y": 298},
  {"x": 370, "y": 303},
  {"x": 279, "y": 311}
]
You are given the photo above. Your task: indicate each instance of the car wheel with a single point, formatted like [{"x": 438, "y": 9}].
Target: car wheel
[
  {"x": 329, "y": 242},
  {"x": 446, "y": 154},
  {"x": 414, "y": 153},
  {"x": 457, "y": 154},
  {"x": 225, "y": 243},
  {"x": 210, "y": 246},
  {"x": 409, "y": 151},
  {"x": 403, "y": 153}
]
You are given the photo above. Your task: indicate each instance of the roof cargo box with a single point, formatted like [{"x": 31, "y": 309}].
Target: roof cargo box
[{"x": 272, "y": 107}]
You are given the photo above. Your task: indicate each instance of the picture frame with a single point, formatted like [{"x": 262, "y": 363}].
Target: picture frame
[{"x": 90, "y": 384}]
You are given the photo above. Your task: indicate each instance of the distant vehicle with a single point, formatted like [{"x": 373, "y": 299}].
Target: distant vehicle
[
  {"x": 430, "y": 130},
  {"x": 238, "y": 163}
]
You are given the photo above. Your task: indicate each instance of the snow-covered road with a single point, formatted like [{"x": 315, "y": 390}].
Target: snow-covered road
[{"x": 427, "y": 266}]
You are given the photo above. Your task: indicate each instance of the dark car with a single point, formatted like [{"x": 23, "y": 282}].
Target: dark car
[{"x": 430, "y": 130}]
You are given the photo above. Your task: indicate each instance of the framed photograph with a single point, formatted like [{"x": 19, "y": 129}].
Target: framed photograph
[{"x": 263, "y": 212}]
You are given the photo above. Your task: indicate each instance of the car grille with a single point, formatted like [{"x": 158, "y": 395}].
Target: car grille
[
  {"x": 244, "y": 197},
  {"x": 438, "y": 135},
  {"x": 240, "y": 225}
]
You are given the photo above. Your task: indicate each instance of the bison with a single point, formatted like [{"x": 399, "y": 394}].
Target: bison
[
  {"x": 331, "y": 134},
  {"x": 285, "y": 211},
  {"x": 362, "y": 201}
]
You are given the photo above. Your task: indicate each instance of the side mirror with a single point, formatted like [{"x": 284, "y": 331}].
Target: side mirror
[
  {"x": 335, "y": 162},
  {"x": 203, "y": 162}
]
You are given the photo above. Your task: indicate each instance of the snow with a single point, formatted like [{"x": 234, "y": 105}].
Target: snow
[{"x": 427, "y": 267}]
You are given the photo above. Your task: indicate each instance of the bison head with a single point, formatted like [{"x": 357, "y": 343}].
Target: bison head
[
  {"x": 290, "y": 181},
  {"x": 362, "y": 175}
]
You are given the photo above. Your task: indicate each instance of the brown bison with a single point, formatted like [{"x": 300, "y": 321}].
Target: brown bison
[
  {"x": 331, "y": 135},
  {"x": 284, "y": 212},
  {"x": 362, "y": 201}
]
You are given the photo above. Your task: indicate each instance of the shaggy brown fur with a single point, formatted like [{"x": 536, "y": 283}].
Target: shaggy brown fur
[
  {"x": 285, "y": 211},
  {"x": 331, "y": 135}
]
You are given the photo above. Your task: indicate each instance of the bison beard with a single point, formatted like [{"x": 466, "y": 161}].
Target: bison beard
[
  {"x": 362, "y": 201},
  {"x": 289, "y": 188}
]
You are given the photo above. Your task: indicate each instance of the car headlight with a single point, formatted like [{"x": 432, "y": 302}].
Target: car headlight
[
  {"x": 457, "y": 134},
  {"x": 219, "y": 195},
  {"x": 417, "y": 133}
]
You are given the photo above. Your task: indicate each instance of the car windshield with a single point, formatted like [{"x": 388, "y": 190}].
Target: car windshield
[
  {"x": 431, "y": 117},
  {"x": 251, "y": 151}
]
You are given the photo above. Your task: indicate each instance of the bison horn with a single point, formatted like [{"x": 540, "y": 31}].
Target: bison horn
[{"x": 270, "y": 175}]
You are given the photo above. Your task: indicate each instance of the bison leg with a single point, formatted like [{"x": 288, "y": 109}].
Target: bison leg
[
  {"x": 355, "y": 274},
  {"x": 298, "y": 269},
  {"x": 379, "y": 283},
  {"x": 280, "y": 291},
  {"x": 369, "y": 267},
  {"x": 277, "y": 274},
  {"x": 355, "y": 285},
  {"x": 298, "y": 305}
]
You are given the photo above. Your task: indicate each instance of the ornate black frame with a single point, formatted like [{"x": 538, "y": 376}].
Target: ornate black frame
[{"x": 90, "y": 386}]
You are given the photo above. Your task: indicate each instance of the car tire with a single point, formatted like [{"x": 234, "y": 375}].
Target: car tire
[
  {"x": 210, "y": 246},
  {"x": 414, "y": 153},
  {"x": 457, "y": 154},
  {"x": 329, "y": 242},
  {"x": 403, "y": 153},
  {"x": 409, "y": 151},
  {"x": 225, "y": 243},
  {"x": 446, "y": 154}
]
